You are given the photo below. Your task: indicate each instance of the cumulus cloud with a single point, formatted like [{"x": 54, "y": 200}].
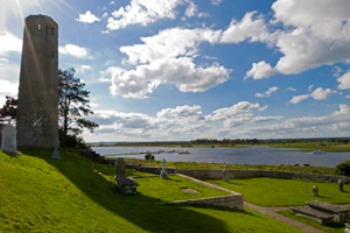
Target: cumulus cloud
[
  {"x": 267, "y": 93},
  {"x": 191, "y": 10},
  {"x": 169, "y": 43},
  {"x": 83, "y": 68},
  {"x": 216, "y": 2},
  {"x": 344, "y": 81},
  {"x": 74, "y": 51},
  {"x": 182, "y": 113},
  {"x": 322, "y": 94},
  {"x": 260, "y": 70},
  {"x": 8, "y": 88},
  {"x": 252, "y": 27},
  {"x": 9, "y": 43},
  {"x": 143, "y": 12},
  {"x": 236, "y": 113},
  {"x": 187, "y": 121},
  {"x": 299, "y": 98},
  {"x": 313, "y": 36},
  {"x": 87, "y": 17},
  {"x": 181, "y": 72},
  {"x": 317, "y": 94},
  {"x": 167, "y": 58},
  {"x": 241, "y": 120}
]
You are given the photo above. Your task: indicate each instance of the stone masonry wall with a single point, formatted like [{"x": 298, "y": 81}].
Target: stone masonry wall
[{"x": 233, "y": 200}]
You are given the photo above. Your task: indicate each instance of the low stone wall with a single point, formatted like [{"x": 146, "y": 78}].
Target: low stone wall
[
  {"x": 232, "y": 201},
  {"x": 221, "y": 174}
]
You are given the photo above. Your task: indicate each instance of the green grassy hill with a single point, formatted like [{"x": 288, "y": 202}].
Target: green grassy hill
[{"x": 38, "y": 194}]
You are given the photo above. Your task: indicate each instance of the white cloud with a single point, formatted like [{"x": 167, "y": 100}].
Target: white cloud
[
  {"x": 241, "y": 120},
  {"x": 299, "y": 98},
  {"x": 292, "y": 89},
  {"x": 242, "y": 109},
  {"x": 268, "y": 93},
  {"x": 83, "y": 68},
  {"x": 169, "y": 43},
  {"x": 168, "y": 58},
  {"x": 252, "y": 27},
  {"x": 191, "y": 10},
  {"x": 317, "y": 94},
  {"x": 260, "y": 70},
  {"x": 312, "y": 36},
  {"x": 181, "y": 72},
  {"x": 322, "y": 94},
  {"x": 344, "y": 81},
  {"x": 88, "y": 17},
  {"x": 183, "y": 113},
  {"x": 143, "y": 12},
  {"x": 216, "y": 2},
  {"x": 8, "y": 88},
  {"x": 9, "y": 43},
  {"x": 74, "y": 51}
]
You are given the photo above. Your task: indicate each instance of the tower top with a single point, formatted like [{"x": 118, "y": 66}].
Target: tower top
[{"x": 39, "y": 17}]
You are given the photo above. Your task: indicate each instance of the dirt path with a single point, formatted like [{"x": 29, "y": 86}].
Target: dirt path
[{"x": 271, "y": 212}]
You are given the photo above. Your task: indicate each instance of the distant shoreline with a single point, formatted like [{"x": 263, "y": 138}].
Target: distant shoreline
[{"x": 310, "y": 144}]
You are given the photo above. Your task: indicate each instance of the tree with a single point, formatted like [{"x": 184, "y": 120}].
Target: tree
[
  {"x": 73, "y": 105},
  {"x": 9, "y": 110}
]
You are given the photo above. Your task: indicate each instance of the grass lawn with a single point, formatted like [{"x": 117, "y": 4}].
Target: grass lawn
[
  {"x": 281, "y": 192},
  {"x": 220, "y": 166},
  {"x": 38, "y": 194}
]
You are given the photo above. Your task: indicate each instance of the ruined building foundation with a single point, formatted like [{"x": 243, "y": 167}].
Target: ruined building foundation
[{"x": 37, "y": 116}]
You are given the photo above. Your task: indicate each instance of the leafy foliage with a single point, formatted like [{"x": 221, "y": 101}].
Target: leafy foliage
[
  {"x": 149, "y": 156},
  {"x": 8, "y": 111},
  {"x": 73, "y": 107},
  {"x": 344, "y": 168}
]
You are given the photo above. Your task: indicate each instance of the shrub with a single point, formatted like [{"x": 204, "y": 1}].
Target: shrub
[
  {"x": 344, "y": 168},
  {"x": 149, "y": 156}
]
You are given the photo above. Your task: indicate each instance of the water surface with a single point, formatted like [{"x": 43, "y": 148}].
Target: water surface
[{"x": 250, "y": 155}]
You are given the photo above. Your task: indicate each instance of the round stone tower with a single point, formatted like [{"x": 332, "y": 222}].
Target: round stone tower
[{"x": 37, "y": 114}]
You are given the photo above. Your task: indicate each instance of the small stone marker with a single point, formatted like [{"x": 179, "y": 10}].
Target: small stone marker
[
  {"x": 341, "y": 185},
  {"x": 315, "y": 190},
  {"x": 224, "y": 173},
  {"x": 8, "y": 140},
  {"x": 164, "y": 173},
  {"x": 56, "y": 154},
  {"x": 126, "y": 184}
]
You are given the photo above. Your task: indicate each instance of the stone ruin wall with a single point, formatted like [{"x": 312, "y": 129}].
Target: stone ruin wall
[{"x": 37, "y": 116}]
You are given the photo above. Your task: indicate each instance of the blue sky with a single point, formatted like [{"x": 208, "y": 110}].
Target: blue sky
[{"x": 188, "y": 69}]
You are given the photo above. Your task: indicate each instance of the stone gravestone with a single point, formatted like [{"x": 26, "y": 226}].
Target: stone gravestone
[
  {"x": 56, "y": 154},
  {"x": 224, "y": 171},
  {"x": 315, "y": 191},
  {"x": 126, "y": 184},
  {"x": 341, "y": 185},
  {"x": 164, "y": 173},
  {"x": 8, "y": 140}
]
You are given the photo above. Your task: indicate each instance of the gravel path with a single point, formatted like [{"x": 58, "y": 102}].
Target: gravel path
[{"x": 272, "y": 212}]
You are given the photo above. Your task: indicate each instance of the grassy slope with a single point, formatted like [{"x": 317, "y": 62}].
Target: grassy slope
[
  {"x": 38, "y": 194},
  {"x": 285, "y": 192}
]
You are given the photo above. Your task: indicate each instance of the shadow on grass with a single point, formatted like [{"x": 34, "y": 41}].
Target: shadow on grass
[
  {"x": 323, "y": 197},
  {"x": 142, "y": 211}
]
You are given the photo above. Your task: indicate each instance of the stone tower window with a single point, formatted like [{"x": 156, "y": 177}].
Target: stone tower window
[
  {"x": 39, "y": 26},
  {"x": 52, "y": 31},
  {"x": 52, "y": 54}
]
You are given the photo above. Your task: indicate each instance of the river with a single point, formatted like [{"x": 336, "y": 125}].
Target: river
[{"x": 250, "y": 155}]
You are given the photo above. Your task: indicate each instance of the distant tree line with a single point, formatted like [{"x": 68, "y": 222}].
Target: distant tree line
[{"x": 224, "y": 142}]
